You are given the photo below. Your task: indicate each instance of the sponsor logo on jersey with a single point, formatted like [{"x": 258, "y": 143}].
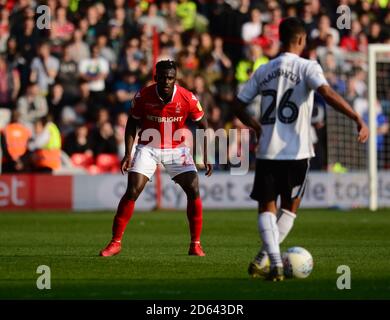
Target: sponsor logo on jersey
[
  {"x": 164, "y": 119},
  {"x": 178, "y": 107}
]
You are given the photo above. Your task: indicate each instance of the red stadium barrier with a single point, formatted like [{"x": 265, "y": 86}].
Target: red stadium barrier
[{"x": 35, "y": 192}]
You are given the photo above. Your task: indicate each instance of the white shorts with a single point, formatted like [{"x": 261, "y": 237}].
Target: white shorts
[{"x": 175, "y": 161}]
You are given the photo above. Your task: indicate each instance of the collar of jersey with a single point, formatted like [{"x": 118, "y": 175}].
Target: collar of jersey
[
  {"x": 173, "y": 95},
  {"x": 290, "y": 54}
]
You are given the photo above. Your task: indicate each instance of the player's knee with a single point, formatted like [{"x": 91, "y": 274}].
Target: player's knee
[
  {"x": 132, "y": 192},
  {"x": 192, "y": 191}
]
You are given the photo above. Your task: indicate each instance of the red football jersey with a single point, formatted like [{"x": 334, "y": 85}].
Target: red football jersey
[{"x": 165, "y": 119}]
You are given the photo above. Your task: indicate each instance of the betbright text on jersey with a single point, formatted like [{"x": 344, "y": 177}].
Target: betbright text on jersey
[{"x": 161, "y": 123}]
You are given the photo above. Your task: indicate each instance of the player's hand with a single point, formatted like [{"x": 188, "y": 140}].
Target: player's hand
[
  {"x": 363, "y": 131},
  {"x": 209, "y": 169},
  {"x": 125, "y": 164},
  {"x": 257, "y": 129}
]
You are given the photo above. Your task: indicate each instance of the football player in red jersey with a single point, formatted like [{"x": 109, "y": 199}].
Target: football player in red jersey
[{"x": 161, "y": 111}]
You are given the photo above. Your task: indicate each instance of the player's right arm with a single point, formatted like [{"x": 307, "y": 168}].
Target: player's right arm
[
  {"x": 130, "y": 133},
  {"x": 241, "y": 112},
  {"x": 135, "y": 115},
  {"x": 249, "y": 91},
  {"x": 338, "y": 103}
]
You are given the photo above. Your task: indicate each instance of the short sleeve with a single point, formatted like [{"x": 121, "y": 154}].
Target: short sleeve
[
  {"x": 35, "y": 64},
  {"x": 315, "y": 77},
  {"x": 83, "y": 66},
  {"x": 54, "y": 63},
  {"x": 250, "y": 89},
  {"x": 196, "y": 111},
  {"x": 105, "y": 68},
  {"x": 136, "y": 109}
]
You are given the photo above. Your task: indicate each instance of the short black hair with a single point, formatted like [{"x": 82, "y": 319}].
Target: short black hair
[
  {"x": 289, "y": 29},
  {"x": 165, "y": 64}
]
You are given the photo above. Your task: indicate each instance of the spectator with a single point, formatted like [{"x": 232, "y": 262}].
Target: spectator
[
  {"x": 382, "y": 123},
  {"x": 330, "y": 48},
  {"x": 375, "y": 35},
  {"x": 350, "y": 41},
  {"x": 32, "y": 106},
  {"x": 93, "y": 24},
  {"x": 203, "y": 94},
  {"x": 105, "y": 51},
  {"x": 219, "y": 55},
  {"x": 95, "y": 70},
  {"x": 152, "y": 21},
  {"x": 4, "y": 29},
  {"x": 174, "y": 23},
  {"x": 186, "y": 11},
  {"x": 104, "y": 142},
  {"x": 27, "y": 39},
  {"x": 61, "y": 29},
  {"x": 320, "y": 34},
  {"x": 56, "y": 100},
  {"x": 115, "y": 37},
  {"x": 246, "y": 66},
  {"x": 77, "y": 141},
  {"x": 14, "y": 144},
  {"x": 15, "y": 60},
  {"x": 125, "y": 91},
  {"x": 9, "y": 84},
  {"x": 252, "y": 28},
  {"x": 46, "y": 146},
  {"x": 132, "y": 56},
  {"x": 68, "y": 75},
  {"x": 78, "y": 49},
  {"x": 44, "y": 68}
]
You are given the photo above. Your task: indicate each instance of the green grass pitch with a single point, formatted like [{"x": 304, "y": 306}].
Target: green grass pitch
[{"x": 154, "y": 263}]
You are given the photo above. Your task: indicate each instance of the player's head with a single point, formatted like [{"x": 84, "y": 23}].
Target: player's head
[
  {"x": 165, "y": 77},
  {"x": 292, "y": 33}
]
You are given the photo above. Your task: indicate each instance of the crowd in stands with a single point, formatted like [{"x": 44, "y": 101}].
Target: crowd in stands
[{"x": 71, "y": 86}]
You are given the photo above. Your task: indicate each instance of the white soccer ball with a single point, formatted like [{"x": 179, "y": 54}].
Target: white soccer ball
[{"x": 297, "y": 263}]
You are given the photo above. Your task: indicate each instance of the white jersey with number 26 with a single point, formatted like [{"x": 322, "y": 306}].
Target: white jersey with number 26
[{"x": 286, "y": 85}]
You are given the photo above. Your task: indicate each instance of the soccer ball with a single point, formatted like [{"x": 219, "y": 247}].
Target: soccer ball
[{"x": 297, "y": 263}]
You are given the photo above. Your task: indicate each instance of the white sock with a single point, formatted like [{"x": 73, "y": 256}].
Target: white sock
[
  {"x": 285, "y": 221},
  {"x": 269, "y": 233}
]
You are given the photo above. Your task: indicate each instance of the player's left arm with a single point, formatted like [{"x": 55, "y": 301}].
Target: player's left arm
[
  {"x": 338, "y": 103},
  {"x": 196, "y": 114},
  {"x": 202, "y": 124},
  {"x": 316, "y": 80}
]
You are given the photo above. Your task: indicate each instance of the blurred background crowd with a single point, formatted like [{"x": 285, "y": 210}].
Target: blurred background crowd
[{"x": 70, "y": 87}]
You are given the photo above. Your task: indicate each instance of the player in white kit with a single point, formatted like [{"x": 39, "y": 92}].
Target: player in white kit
[{"x": 286, "y": 85}]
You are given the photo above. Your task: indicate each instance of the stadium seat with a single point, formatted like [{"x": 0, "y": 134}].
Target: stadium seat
[
  {"x": 82, "y": 160},
  {"x": 107, "y": 163},
  {"x": 93, "y": 169}
]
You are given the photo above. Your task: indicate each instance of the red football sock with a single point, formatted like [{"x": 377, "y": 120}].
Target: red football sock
[
  {"x": 122, "y": 217},
  {"x": 194, "y": 215}
]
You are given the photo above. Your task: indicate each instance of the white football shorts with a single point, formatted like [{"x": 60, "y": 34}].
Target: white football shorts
[{"x": 175, "y": 161}]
